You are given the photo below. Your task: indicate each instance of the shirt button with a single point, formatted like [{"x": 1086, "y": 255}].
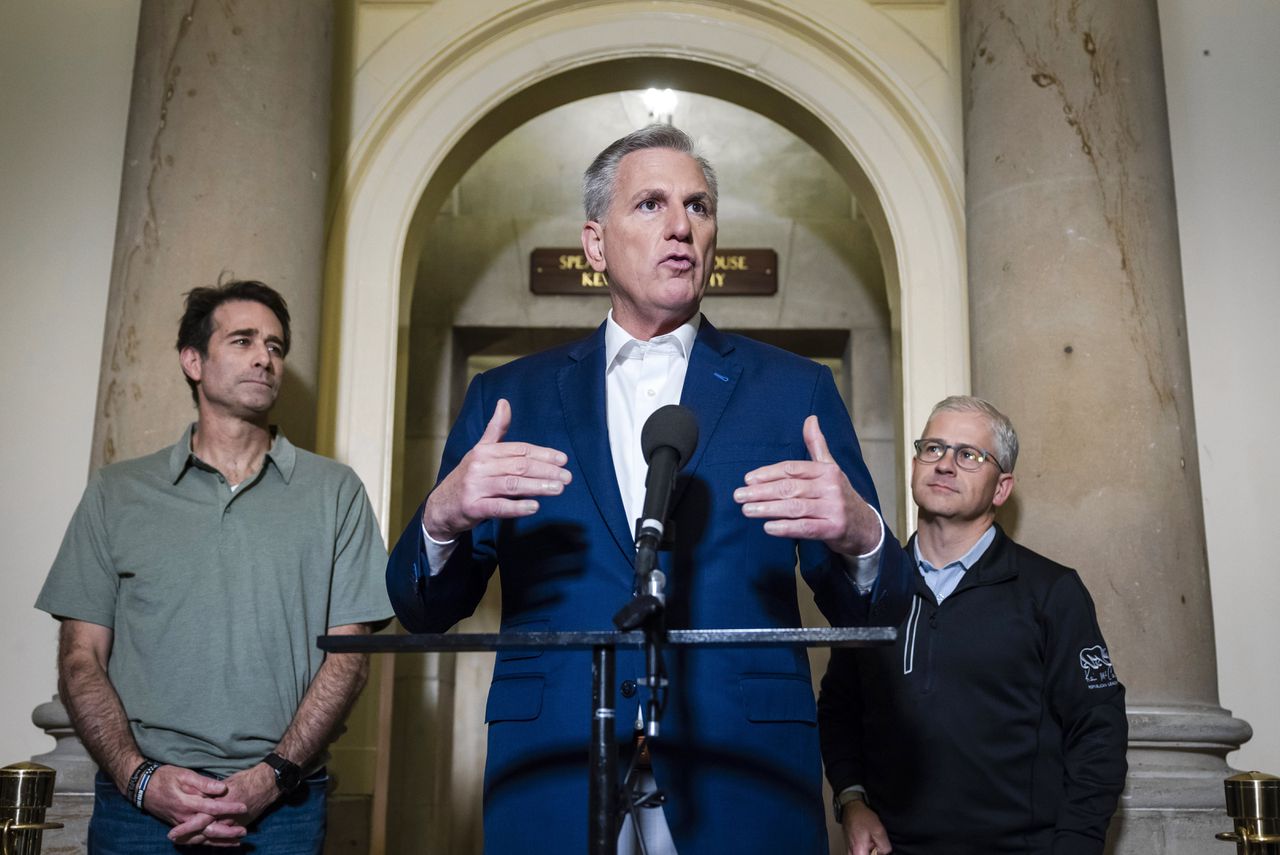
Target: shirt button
[
  {"x": 628, "y": 688},
  {"x": 651, "y": 392}
]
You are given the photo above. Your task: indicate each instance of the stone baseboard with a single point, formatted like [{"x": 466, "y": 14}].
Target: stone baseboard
[{"x": 1148, "y": 831}]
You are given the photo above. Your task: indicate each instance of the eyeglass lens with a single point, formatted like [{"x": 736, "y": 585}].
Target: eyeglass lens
[{"x": 966, "y": 456}]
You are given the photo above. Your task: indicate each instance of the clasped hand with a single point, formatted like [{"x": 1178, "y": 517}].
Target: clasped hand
[{"x": 202, "y": 810}]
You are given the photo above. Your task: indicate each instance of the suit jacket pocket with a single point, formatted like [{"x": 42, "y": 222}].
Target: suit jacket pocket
[
  {"x": 778, "y": 697},
  {"x": 540, "y": 625},
  {"x": 515, "y": 698}
]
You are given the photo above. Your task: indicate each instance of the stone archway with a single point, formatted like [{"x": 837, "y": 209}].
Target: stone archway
[
  {"x": 492, "y": 73},
  {"x": 463, "y": 80}
]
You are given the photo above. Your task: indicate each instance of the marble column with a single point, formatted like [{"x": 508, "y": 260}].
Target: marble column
[
  {"x": 225, "y": 176},
  {"x": 1079, "y": 333}
]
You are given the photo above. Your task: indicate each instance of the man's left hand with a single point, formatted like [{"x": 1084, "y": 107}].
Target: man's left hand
[
  {"x": 254, "y": 787},
  {"x": 810, "y": 500}
]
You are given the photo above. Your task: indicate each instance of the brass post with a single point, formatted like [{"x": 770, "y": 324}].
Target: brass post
[
  {"x": 26, "y": 792},
  {"x": 1253, "y": 803}
]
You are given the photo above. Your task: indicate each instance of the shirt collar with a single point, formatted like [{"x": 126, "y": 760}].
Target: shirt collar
[
  {"x": 967, "y": 560},
  {"x": 616, "y": 338},
  {"x": 282, "y": 454}
]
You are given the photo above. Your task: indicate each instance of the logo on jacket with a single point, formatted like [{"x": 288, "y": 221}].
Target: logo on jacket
[{"x": 1096, "y": 663}]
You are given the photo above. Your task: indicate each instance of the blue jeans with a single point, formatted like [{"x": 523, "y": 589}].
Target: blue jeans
[{"x": 292, "y": 826}]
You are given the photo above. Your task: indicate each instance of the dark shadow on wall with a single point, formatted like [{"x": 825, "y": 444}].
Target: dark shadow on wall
[{"x": 295, "y": 410}]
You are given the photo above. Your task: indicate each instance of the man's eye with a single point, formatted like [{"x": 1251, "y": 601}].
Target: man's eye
[
  {"x": 698, "y": 207},
  {"x": 276, "y": 349},
  {"x": 971, "y": 455},
  {"x": 649, "y": 205},
  {"x": 935, "y": 449}
]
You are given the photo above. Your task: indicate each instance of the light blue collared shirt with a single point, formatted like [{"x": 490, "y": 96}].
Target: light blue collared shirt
[{"x": 943, "y": 580}]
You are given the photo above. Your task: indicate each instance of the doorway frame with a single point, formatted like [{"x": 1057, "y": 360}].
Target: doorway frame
[{"x": 464, "y": 78}]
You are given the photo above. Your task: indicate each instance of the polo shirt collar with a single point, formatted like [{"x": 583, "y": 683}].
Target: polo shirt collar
[
  {"x": 616, "y": 338},
  {"x": 282, "y": 454}
]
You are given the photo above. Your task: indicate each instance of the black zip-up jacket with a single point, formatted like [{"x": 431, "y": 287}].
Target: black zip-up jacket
[{"x": 995, "y": 723}]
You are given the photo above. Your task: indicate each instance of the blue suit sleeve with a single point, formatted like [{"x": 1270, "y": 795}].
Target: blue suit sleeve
[
  {"x": 825, "y": 571},
  {"x": 426, "y": 603}
]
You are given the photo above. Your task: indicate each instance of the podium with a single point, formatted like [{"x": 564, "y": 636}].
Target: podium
[{"x": 602, "y": 803}]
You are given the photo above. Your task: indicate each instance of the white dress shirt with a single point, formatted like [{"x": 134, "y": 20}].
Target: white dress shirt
[{"x": 640, "y": 377}]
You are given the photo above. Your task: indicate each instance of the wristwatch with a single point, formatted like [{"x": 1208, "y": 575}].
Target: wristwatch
[
  {"x": 288, "y": 773},
  {"x": 846, "y": 797}
]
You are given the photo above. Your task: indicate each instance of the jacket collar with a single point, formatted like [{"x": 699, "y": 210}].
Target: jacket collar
[
  {"x": 992, "y": 568},
  {"x": 709, "y": 383}
]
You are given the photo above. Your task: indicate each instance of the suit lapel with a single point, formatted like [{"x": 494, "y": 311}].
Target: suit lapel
[
  {"x": 582, "y": 396},
  {"x": 709, "y": 383}
]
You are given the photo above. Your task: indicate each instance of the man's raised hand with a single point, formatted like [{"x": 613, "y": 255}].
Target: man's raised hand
[
  {"x": 494, "y": 480},
  {"x": 810, "y": 500}
]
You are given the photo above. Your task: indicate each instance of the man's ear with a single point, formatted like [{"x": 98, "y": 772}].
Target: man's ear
[
  {"x": 593, "y": 245},
  {"x": 191, "y": 362},
  {"x": 1004, "y": 489}
]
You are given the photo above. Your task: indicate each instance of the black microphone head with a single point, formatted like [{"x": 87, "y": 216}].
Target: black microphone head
[{"x": 672, "y": 426}]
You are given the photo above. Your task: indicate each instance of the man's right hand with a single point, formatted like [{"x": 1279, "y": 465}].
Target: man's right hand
[
  {"x": 196, "y": 806},
  {"x": 495, "y": 480},
  {"x": 864, "y": 834}
]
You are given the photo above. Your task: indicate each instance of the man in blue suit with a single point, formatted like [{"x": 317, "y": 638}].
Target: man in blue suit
[{"x": 543, "y": 476}]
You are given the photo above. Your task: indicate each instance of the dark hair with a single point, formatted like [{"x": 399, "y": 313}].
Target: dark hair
[
  {"x": 196, "y": 326},
  {"x": 602, "y": 174}
]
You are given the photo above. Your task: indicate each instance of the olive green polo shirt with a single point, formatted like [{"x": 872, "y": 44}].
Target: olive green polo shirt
[{"x": 216, "y": 597}]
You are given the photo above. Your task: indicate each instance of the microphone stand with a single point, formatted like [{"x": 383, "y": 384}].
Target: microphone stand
[
  {"x": 668, "y": 438},
  {"x": 646, "y": 611}
]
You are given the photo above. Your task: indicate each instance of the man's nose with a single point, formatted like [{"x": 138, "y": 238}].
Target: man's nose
[
  {"x": 947, "y": 462},
  {"x": 262, "y": 356},
  {"x": 679, "y": 227}
]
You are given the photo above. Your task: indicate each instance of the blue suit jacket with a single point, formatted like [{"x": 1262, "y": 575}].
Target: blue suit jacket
[{"x": 738, "y": 755}]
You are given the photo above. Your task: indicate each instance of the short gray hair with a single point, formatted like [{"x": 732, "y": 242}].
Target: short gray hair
[
  {"x": 1006, "y": 438},
  {"x": 601, "y": 176}
]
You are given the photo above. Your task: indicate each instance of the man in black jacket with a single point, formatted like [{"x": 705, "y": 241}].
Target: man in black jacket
[{"x": 996, "y": 722}]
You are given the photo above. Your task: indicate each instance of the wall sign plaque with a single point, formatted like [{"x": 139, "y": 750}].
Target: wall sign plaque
[{"x": 741, "y": 272}]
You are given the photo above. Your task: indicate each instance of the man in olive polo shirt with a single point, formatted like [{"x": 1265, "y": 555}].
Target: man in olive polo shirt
[{"x": 191, "y": 585}]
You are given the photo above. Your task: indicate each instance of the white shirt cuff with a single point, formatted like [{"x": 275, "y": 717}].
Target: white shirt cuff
[
  {"x": 438, "y": 551},
  {"x": 864, "y": 569}
]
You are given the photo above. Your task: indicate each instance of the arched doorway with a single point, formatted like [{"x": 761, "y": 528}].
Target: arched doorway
[
  {"x": 473, "y": 309},
  {"x": 418, "y": 140},
  {"x": 498, "y": 72}
]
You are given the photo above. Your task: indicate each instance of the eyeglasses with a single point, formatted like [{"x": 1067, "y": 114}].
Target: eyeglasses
[{"x": 967, "y": 457}]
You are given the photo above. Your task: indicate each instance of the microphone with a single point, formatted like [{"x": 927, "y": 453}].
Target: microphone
[{"x": 668, "y": 439}]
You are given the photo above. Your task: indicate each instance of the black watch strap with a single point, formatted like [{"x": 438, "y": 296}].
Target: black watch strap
[{"x": 288, "y": 773}]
